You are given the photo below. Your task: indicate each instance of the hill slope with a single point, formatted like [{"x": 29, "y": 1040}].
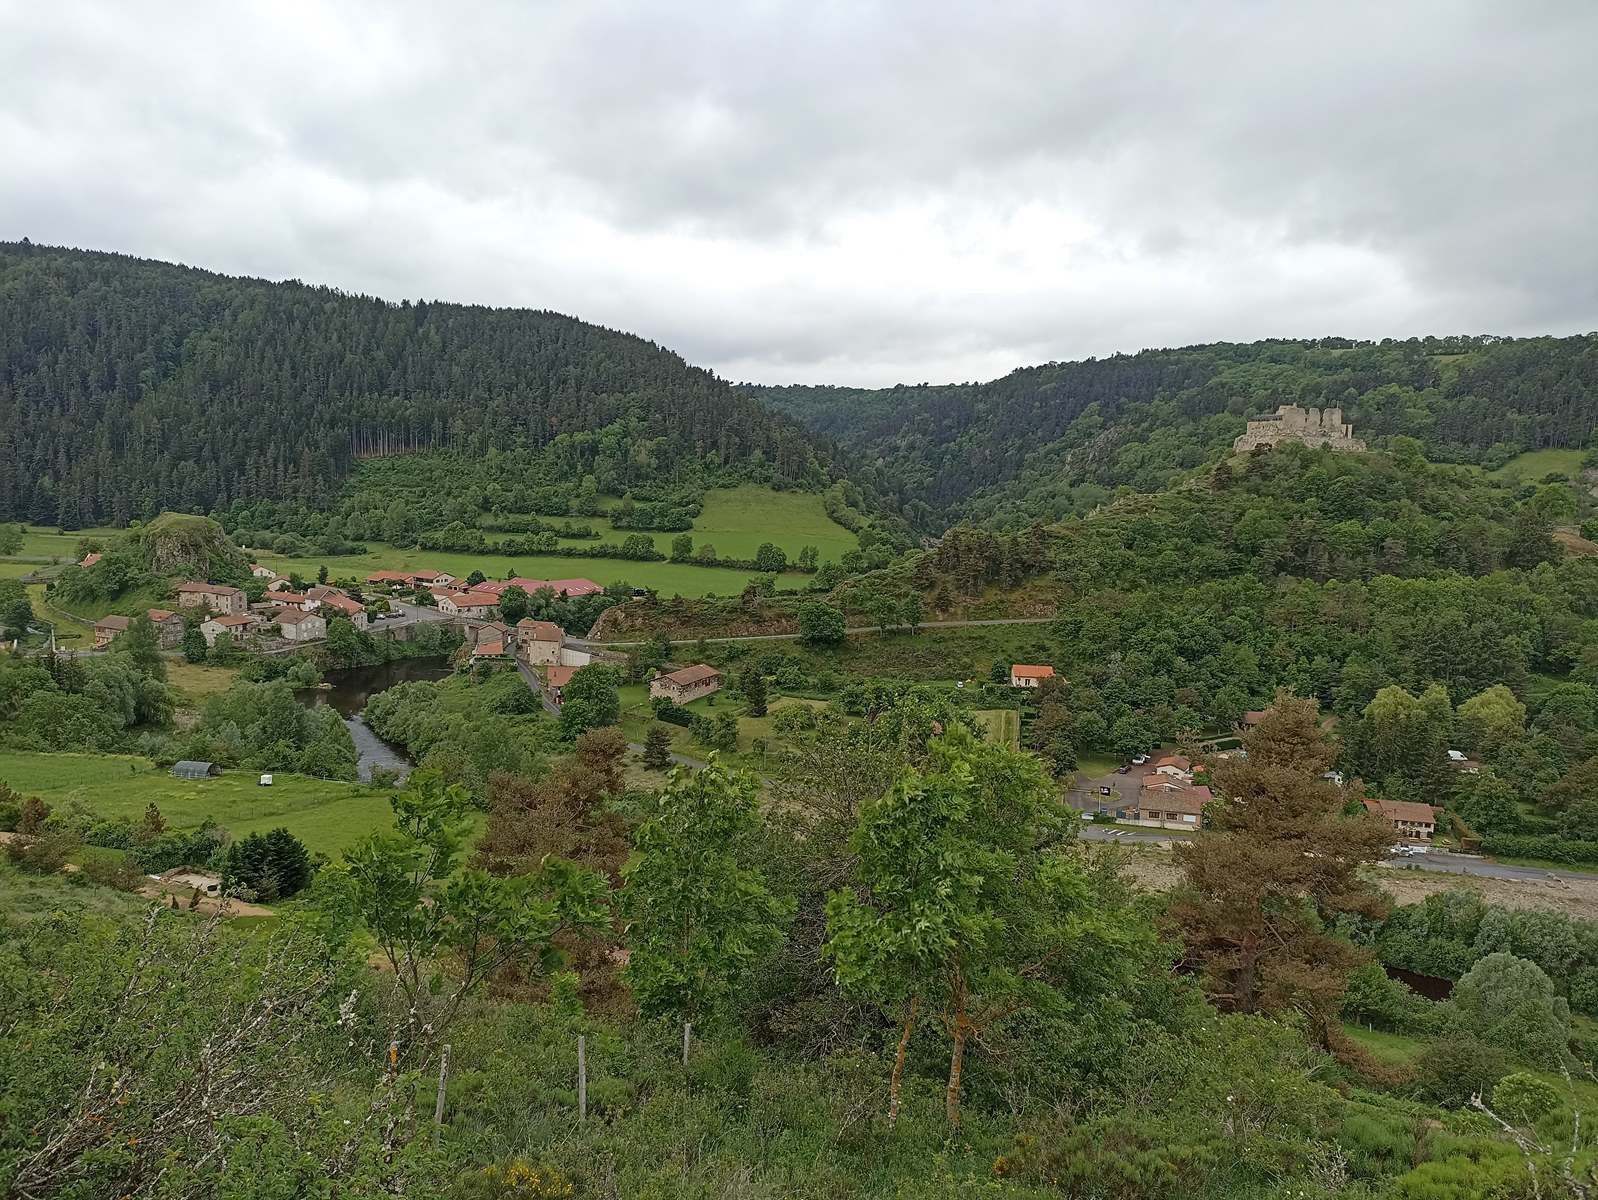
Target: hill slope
[
  {"x": 1053, "y": 440},
  {"x": 129, "y": 386}
]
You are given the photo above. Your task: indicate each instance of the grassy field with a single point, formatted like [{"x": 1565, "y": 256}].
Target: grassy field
[
  {"x": 1388, "y": 1047},
  {"x": 670, "y": 579},
  {"x": 1002, "y": 726},
  {"x": 637, "y": 717},
  {"x": 735, "y": 520},
  {"x": 328, "y": 816},
  {"x": 1534, "y": 464},
  {"x": 197, "y": 681},
  {"x": 41, "y": 543}
]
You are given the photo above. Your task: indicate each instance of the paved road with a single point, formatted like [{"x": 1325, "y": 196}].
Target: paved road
[
  {"x": 1439, "y": 861},
  {"x": 790, "y": 637}
]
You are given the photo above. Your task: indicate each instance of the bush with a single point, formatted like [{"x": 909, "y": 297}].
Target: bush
[
  {"x": 1453, "y": 1069},
  {"x": 671, "y": 713},
  {"x": 1546, "y": 846},
  {"x": 45, "y": 854},
  {"x": 1524, "y": 1098},
  {"x": 517, "y": 1179},
  {"x": 112, "y": 871}
]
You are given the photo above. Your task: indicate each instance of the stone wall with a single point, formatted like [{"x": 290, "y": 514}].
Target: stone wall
[{"x": 1312, "y": 426}]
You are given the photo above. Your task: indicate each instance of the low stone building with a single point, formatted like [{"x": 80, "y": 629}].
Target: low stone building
[
  {"x": 687, "y": 685},
  {"x": 235, "y": 625},
  {"x": 168, "y": 627},
  {"x": 1311, "y": 426},
  {"x": 297, "y": 625},
  {"x": 539, "y": 642},
  {"x": 108, "y": 629},
  {"x": 1168, "y": 804},
  {"x": 217, "y": 597}
]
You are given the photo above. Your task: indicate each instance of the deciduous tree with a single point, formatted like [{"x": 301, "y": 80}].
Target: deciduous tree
[{"x": 698, "y": 917}]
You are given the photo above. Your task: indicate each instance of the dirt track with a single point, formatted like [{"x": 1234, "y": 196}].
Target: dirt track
[{"x": 1575, "y": 897}]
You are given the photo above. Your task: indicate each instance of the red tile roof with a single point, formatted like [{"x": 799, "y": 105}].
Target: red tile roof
[
  {"x": 1029, "y": 671},
  {"x": 564, "y": 587},
  {"x": 559, "y": 676}
]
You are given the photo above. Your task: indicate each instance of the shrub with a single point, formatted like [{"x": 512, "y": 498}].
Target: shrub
[
  {"x": 1524, "y": 1098},
  {"x": 1453, "y": 1069},
  {"x": 32, "y": 816},
  {"x": 112, "y": 871},
  {"x": 517, "y": 1179},
  {"x": 43, "y": 855}
]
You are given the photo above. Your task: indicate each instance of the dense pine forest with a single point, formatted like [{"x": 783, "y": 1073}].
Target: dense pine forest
[
  {"x": 1058, "y": 439},
  {"x": 128, "y": 387}
]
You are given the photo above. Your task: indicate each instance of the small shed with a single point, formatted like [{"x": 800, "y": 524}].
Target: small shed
[{"x": 189, "y": 769}]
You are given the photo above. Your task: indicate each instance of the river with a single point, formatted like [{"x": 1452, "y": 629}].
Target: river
[{"x": 348, "y": 691}]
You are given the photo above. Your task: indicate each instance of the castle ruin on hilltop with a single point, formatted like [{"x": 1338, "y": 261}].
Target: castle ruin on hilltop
[{"x": 1312, "y": 426}]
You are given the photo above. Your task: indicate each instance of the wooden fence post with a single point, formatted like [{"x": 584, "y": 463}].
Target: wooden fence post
[
  {"x": 443, "y": 1083},
  {"x": 582, "y": 1079},
  {"x": 687, "y": 1033}
]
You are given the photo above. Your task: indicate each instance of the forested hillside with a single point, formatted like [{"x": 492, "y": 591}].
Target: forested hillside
[
  {"x": 1058, "y": 439},
  {"x": 128, "y": 387}
]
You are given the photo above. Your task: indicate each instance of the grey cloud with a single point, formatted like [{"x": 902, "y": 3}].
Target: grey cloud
[{"x": 860, "y": 193}]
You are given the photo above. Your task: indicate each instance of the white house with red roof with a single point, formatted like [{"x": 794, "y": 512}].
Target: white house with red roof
[{"x": 1029, "y": 675}]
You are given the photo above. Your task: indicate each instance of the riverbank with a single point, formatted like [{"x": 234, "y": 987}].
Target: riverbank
[{"x": 348, "y": 691}]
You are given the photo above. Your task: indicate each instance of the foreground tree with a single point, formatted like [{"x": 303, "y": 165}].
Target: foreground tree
[
  {"x": 1280, "y": 860},
  {"x": 963, "y": 910},
  {"x": 444, "y": 931},
  {"x": 698, "y": 917},
  {"x": 566, "y": 814}
]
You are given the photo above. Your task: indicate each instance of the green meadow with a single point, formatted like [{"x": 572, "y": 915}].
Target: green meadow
[
  {"x": 735, "y": 521},
  {"x": 1531, "y": 466},
  {"x": 327, "y": 815}
]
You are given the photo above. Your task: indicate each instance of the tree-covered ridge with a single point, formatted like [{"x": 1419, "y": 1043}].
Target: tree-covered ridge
[
  {"x": 1060, "y": 438},
  {"x": 129, "y": 386}
]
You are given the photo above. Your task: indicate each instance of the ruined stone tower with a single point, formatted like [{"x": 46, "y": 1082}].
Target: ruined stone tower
[{"x": 1312, "y": 426}]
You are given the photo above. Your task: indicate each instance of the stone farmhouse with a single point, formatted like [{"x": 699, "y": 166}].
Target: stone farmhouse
[
  {"x": 686, "y": 685},
  {"x": 217, "y": 597},
  {"x": 108, "y": 629},
  {"x": 479, "y": 605},
  {"x": 298, "y": 625},
  {"x": 539, "y": 642},
  {"x": 168, "y": 627},
  {"x": 1410, "y": 821},
  {"x": 1311, "y": 426},
  {"x": 235, "y": 625}
]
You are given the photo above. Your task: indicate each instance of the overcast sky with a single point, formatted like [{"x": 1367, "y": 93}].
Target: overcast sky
[{"x": 846, "y": 193}]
